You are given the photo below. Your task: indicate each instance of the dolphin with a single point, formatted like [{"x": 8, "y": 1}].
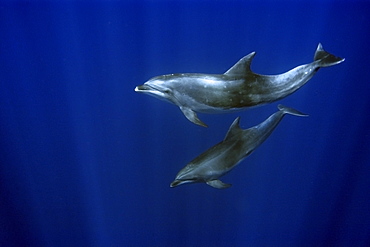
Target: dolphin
[
  {"x": 224, "y": 156},
  {"x": 236, "y": 89}
]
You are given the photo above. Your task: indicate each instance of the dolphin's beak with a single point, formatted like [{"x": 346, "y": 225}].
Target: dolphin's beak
[
  {"x": 178, "y": 182},
  {"x": 175, "y": 183},
  {"x": 143, "y": 88},
  {"x": 149, "y": 89},
  {"x": 154, "y": 90}
]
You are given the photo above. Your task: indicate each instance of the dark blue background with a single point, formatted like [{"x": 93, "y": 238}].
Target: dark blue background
[{"x": 86, "y": 161}]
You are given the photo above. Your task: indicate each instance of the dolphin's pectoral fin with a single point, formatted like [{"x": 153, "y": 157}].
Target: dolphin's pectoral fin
[
  {"x": 218, "y": 184},
  {"x": 192, "y": 116}
]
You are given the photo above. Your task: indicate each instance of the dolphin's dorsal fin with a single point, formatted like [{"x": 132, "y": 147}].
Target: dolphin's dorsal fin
[
  {"x": 242, "y": 67},
  {"x": 218, "y": 184},
  {"x": 234, "y": 129}
]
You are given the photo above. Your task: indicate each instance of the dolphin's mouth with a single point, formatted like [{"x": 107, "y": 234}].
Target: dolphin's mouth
[
  {"x": 175, "y": 183},
  {"x": 178, "y": 182},
  {"x": 149, "y": 89},
  {"x": 156, "y": 91},
  {"x": 144, "y": 88}
]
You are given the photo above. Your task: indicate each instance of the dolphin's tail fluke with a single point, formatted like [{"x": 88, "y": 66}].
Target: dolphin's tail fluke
[
  {"x": 325, "y": 59},
  {"x": 291, "y": 111}
]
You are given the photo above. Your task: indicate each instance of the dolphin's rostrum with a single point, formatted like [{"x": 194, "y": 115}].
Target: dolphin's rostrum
[
  {"x": 224, "y": 156},
  {"x": 236, "y": 89}
]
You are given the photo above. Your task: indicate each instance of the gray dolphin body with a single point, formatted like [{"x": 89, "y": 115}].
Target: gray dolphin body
[
  {"x": 236, "y": 89},
  {"x": 224, "y": 156}
]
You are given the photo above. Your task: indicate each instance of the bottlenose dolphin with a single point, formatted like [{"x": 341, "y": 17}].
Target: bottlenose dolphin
[
  {"x": 236, "y": 89},
  {"x": 224, "y": 156}
]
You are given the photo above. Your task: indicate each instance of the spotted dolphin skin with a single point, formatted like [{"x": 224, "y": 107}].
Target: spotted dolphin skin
[
  {"x": 236, "y": 89},
  {"x": 224, "y": 156}
]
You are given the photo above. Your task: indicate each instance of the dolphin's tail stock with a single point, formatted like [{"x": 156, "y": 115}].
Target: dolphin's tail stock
[
  {"x": 291, "y": 111},
  {"x": 324, "y": 58}
]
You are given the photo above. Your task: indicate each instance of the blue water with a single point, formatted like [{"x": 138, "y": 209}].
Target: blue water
[{"x": 86, "y": 161}]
